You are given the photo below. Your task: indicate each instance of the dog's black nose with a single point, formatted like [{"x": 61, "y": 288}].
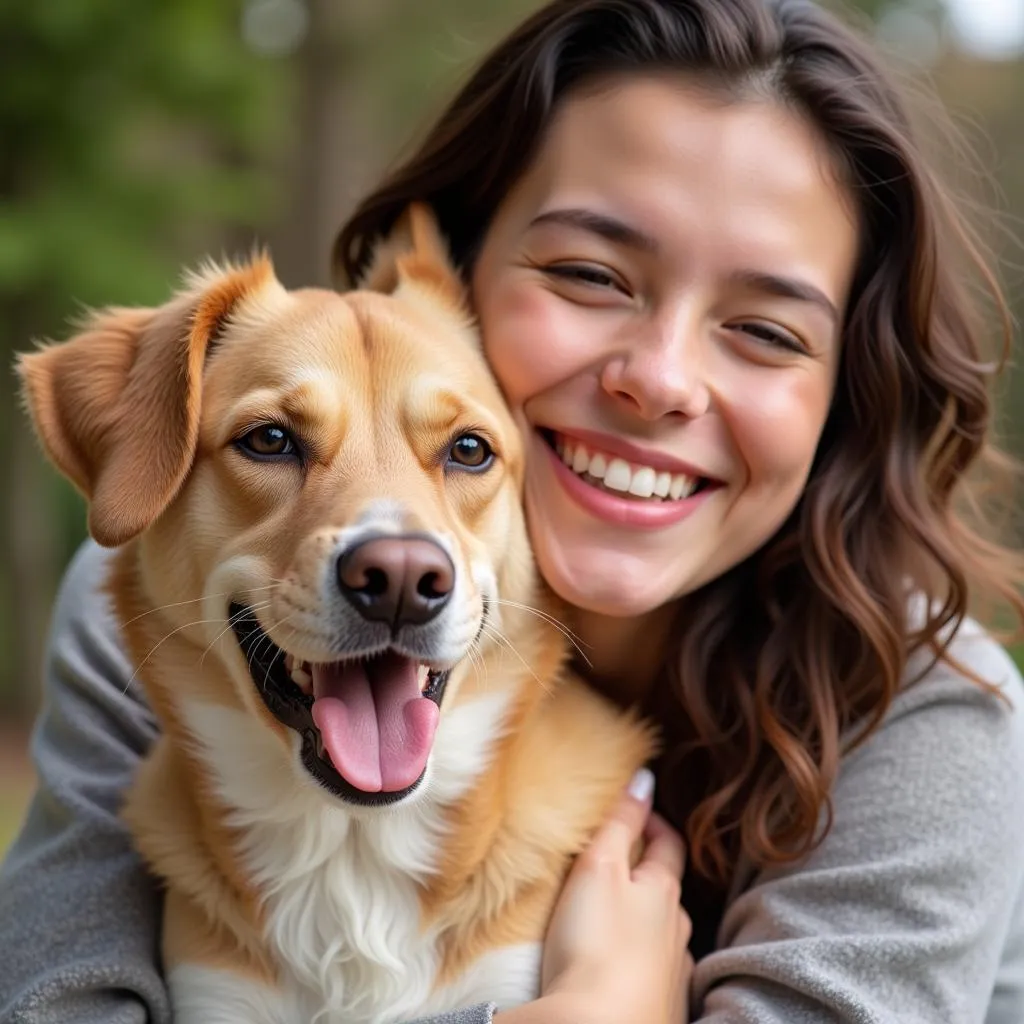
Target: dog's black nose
[{"x": 403, "y": 581}]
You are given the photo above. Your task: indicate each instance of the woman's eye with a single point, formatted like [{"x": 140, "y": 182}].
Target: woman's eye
[
  {"x": 470, "y": 451},
  {"x": 268, "y": 441},
  {"x": 772, "y": 336},
  {"x": 585, "y": 273}
]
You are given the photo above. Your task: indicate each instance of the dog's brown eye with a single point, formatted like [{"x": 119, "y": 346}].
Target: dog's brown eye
[
  {"x": 267, "y": 441},
  {"x": 470, "y": 451}
]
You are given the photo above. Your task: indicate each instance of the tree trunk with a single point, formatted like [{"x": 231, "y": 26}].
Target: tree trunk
[{"x": 334, "y": 153}]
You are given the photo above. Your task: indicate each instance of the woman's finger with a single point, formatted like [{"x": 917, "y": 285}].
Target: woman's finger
[
  {"x": 625, "y": 826},
  {"x": 665, "y": 851}
]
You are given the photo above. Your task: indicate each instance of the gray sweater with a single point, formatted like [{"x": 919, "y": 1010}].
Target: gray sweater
[{"x": 911, "y": 911}]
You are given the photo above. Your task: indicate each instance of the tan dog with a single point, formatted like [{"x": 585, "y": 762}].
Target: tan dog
[{"x": 374, "y": 768}]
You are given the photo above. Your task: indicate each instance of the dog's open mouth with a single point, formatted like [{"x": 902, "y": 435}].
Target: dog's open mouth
[{"x": 367, "y": 724}]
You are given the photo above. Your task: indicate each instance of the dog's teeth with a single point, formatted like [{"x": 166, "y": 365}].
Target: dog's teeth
[
  {"x": 423, "y": 676},
  {"x": 302, "y": 679},
  {"x": 289, "y": 663}
]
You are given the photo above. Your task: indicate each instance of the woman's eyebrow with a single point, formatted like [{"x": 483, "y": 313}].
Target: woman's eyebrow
[
  {"x": 610, "y": 228},
  {"x": 786, "y": 288},
  {"x": 621, "y": 233}
]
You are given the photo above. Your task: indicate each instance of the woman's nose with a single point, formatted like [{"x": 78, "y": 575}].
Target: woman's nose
[{"x": 660, "y": 373}]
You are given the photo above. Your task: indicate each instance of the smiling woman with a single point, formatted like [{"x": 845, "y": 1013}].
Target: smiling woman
[{"x": 654, "y": 282}]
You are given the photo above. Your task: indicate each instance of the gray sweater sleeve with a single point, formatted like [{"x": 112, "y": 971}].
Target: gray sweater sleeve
[
  {"x": 911, "y": 911},
  {"x": 79, "y": 914}
]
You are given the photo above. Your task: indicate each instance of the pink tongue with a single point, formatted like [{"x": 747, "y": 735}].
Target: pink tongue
[{"x": 375, "y": 724}]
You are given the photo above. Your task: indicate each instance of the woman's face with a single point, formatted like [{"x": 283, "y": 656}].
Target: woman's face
[{"x": 661, "y": 298}]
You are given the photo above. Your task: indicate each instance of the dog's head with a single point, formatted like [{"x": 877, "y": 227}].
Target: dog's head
[{"x": 321, "y": 489}]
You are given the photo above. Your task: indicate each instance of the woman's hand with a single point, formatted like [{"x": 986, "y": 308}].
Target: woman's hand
[{"x": 617, "y": 942}]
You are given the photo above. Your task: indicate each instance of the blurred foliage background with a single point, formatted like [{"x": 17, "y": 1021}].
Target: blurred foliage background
[{"x": 138, "y": 137}]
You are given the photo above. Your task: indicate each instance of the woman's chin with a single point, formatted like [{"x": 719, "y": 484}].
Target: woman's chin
[{"x": 603, "y": 582}]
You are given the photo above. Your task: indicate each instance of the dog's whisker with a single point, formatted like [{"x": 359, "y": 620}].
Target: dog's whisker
[
  {"x": 159, "y": 644},
  {"x": 253, "y": 651},
  {"x": 202, "y": 597},
  {"x": 292, "y": 631},
  {"x": 496, "y": 634},
  {"x": 482, "y": 662},
  {"x": 277, "y": 625},
  {"x": 232, "y": 619},
  {"x": 476, "y": 659},
  {"x": 576, "y": 640},
  {"x": 547, "y": 616},
  {"x": 504, "y": 641}
]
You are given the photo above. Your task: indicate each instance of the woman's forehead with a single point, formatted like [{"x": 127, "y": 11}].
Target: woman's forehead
[{"x": 736, "y": 179}]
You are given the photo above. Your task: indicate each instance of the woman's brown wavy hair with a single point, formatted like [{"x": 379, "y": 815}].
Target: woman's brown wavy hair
[{"x": 797, "y": 653}]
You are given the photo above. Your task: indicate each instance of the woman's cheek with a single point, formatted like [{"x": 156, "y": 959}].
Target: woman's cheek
[
  {"x": 529, "y": 336},
  {"x": 777, "y": 425}
]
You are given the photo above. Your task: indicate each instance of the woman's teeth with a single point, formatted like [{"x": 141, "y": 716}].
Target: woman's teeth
[{"x": 615, "y": 474}]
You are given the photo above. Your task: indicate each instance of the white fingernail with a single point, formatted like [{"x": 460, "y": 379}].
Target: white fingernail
[{"x": 641, "y": 786}]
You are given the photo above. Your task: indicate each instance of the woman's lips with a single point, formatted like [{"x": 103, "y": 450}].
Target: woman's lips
[{"x": 620, "y": 509}]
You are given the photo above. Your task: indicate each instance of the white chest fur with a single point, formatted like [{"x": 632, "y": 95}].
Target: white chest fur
[{"x": 341, "y": 887}]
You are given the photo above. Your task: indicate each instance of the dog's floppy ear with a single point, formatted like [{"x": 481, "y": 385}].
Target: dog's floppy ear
[
  {"x": 117, "y": 406},
  {"x": 416, "y": 253}
]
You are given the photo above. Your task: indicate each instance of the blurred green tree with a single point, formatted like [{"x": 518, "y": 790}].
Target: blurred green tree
[{"x": 133, "y": 136}]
